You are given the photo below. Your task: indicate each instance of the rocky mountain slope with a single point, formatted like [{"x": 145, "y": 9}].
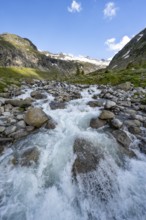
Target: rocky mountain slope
[
  {"x": 133, "y": 55},
  {"x": 21, "y": 52}
]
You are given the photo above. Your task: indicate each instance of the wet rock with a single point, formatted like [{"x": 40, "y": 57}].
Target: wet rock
[
  {"x": 57, "y": 105},
  {"x": 109, "y": 104},
  {"x": 27, "y": 158},
  {"x": 116, "y": 123},
  {"x": 4, "y": 142},
  {"x": 35, "y": 117},
  {"x": 105, "y": 115},
  {"x": 87, "y": 157},
  {"x": 122, "y": 138},
  {"x": 51, "y": 124},
  {"x": 134, "y": 130},
  {"x": 132, "y": 123},
  {"x": 20, "y": 102},
  {"x": 97, "y": 123},
  {"x": 38, "y": 95},
  {"x": 19, "y": 134},
  {"x": 97, "y": 103}
]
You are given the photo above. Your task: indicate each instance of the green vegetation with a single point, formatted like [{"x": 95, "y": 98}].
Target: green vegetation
[{"x": 14, "y": 75}]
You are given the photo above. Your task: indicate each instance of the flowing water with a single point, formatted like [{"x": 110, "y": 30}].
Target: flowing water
[{"x": 47, "y": 191}]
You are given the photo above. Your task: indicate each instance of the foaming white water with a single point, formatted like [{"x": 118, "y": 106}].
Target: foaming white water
[{"x": 48, "y": 192}]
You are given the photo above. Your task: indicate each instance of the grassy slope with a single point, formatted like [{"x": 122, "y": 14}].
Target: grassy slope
[{"x": 14, "y": 75}]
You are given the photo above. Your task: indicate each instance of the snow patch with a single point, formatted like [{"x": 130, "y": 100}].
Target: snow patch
[
  {"x": 139, "y": 37},
  {"x": 80, "y": 58},
  {"x": 126, "y": 55}
]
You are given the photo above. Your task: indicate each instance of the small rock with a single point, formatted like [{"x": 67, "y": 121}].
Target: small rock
[
  {"x": 10, "y": 130},
  {"x": 38, "y": 95},
  {"x": 97, "y": 103},
  {"x": 122, "y": 138},
  {"x": 106, "y": 115},
  {"x": 109, "y": 104},
  {"x": 2, "y": 129},
  {"x": 116, "y": 123},
  {"x": 57, "y": 105},
  {"x": 21, "y": 124}
]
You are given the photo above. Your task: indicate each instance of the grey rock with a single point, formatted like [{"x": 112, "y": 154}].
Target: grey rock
[
  {"x": 38, "y": 95},
  {"x": 10, "y": 130},
  {"x": 21, "y": 124},
  {"x": 87, "y": 158},
  {"x": 2, "y": 129},
  {"x": 57, "y": 105},
  {"x": 122, "y": 138},
  {"x": 109, "y": 104},
  {"x": 20, "y": 102},
  {"x": 98, "y": 103},
  {"x": 116, "y": 123},
  {"x": 97, "y": 123}
]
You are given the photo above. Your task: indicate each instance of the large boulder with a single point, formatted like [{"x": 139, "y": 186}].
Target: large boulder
[
  {"x": 35, "y": 117},
  {"x": 87, "y": 156}
]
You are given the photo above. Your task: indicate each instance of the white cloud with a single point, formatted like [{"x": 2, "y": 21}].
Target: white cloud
[
  {"x": 113, "y": 46},
  {"x": 110, "y": 10},
  {"x": 75, "y": 7}
]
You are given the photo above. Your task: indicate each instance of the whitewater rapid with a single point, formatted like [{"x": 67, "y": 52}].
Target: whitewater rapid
[{"x": 48, "y": 192}]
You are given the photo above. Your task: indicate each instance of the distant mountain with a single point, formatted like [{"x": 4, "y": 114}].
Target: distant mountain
[
  {"x": 133, "y": 55},
  {"x": 21, "y": 52}
]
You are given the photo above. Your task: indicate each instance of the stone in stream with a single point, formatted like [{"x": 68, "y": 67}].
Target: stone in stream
[
  {"x": 97, "y": 123},
  {"x": 4, "y": 142},
  {"x": 87, "y": 158},
  {"x": 97, "y": 103},
  {"x": 35, "y": 117},
  {"x": 27, "y": 158},
  {"x": 57, "y": 105},
  {"x": 38, "y": 95},
  {"x": 122, "y": 138}
]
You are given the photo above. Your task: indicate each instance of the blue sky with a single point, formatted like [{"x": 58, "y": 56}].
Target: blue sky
[{"x": 96, "y": 28}]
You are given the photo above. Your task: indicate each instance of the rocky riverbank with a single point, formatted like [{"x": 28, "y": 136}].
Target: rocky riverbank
[{"x": 122, "y": 110}]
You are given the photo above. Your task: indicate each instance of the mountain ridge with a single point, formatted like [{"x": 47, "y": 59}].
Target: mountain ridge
[
  {"x": 133, "y": 54},
  {"x": 21, "y": 52}
]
